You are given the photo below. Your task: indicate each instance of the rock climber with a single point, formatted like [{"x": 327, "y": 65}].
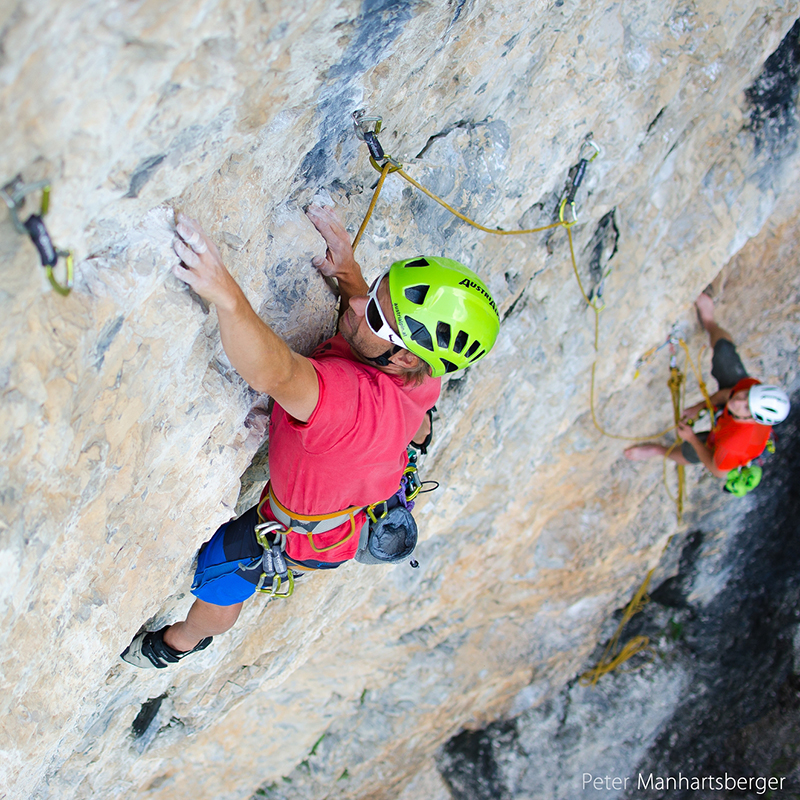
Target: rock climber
[
  {"x": 746, "y": 410},
  {"x": 341, "y": 421}
]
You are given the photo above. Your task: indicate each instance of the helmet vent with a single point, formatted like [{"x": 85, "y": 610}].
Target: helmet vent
[
  {"x": 449, "y": 366},
  {"x": 417, "y": 294},
  {"x": 443, "y": 335},
  {"x": 475, "y": 358},
  {"x": 472, "y": 348},
  {"x": 419, "y": 333},
  {"x": 417, "y": 262},
  {"x": 460, "y": 342}
]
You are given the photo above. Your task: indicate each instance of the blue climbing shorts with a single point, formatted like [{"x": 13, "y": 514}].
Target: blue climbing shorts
[
  {"x": 222, "y": 576},
  {"x": 229, "y": 564}
]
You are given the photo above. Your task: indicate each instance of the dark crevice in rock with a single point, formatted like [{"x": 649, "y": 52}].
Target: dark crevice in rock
[
  {"x": 379, "y": 23},
  {"x": 655, "y": 120},
  {"x": 773, "y": 97},
  {"x": 146, "y": 715},
  {"x": 672, "y": 592},
  {"x": 104, "y": 340},
  {"x": 143, "y": 172},
  {"x": 602, "y": 248},
  {"x": 462, "y": 123},
  {"x": 513, "y": 307},
  {"x": 468, "y": 762},
  {"x": 457, "y": 13}
]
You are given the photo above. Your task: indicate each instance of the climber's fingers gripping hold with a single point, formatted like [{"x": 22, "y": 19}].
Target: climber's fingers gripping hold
[
  {"x": 339, "y": 257},
  {"x": 201, "y": 264}
]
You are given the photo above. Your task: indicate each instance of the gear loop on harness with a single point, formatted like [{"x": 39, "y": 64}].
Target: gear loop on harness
[
  {"x": 309, "y": 525},
  {"x": 13, "y": 194}
]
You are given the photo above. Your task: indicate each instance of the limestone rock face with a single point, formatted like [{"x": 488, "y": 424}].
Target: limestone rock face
[{"x": 125, "y": 432}]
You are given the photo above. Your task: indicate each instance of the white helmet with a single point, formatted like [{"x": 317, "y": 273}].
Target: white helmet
[{"x": 769, "y": 405}]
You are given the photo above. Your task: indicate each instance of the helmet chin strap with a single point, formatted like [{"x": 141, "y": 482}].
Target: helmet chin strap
[{"x": 383, "y": 359}]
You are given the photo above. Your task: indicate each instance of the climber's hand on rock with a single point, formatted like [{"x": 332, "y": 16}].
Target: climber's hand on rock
[
  {"x": 339, "y": 261},
  {"x": 201, "y": 264}
]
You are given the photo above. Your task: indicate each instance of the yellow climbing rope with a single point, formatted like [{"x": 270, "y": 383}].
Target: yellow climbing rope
[
  {"x": 614, "y": 655},
  {"x": 389, "y": 167},
  {"x": 675, "y": 381}
]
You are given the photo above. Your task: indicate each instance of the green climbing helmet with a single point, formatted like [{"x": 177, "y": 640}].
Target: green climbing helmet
[
  {"x": 743, "y": 480},
  {"x": 444, "y": 312}
]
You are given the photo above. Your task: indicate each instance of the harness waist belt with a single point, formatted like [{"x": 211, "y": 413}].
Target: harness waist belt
[{"x": 310, "y": 524}]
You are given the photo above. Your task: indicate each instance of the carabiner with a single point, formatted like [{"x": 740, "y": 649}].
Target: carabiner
[
  {"x": 413, "y": 483},
  {"x": 65, "y": 288},
  {"x": 362, "y": 124},
  {"x": 561, "y": 210},
  {"x": 371, "y": 511},
  {"x": 14, "y": 193},
  {"x": 592, "y": 145}
]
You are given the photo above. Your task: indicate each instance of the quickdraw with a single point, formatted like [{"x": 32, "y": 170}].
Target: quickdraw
[
  {"x": 14, "y": 193},
  {"x": 273, "y": 562},
  {"x": 577, "y": 179}
]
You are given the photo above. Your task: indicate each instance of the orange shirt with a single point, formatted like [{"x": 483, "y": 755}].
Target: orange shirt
[{"x": 734, "y": 442}]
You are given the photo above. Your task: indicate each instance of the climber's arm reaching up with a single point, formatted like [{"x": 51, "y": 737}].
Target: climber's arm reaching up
[{"x": 257, "y": 353}]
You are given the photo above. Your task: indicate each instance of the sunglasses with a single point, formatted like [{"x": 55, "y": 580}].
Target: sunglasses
[{"x": 376, "y": 320}]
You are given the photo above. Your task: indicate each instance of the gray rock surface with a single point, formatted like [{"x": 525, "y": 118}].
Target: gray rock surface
[{"x": 125, "y": 432}]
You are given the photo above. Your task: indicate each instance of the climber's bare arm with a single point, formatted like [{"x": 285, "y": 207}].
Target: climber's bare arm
[
  {"x": 256, "y": 352},
  {"x": 339, "y": 261},
  {"x": 719, "y": 398},
  {"x": 702, "y": 449}
]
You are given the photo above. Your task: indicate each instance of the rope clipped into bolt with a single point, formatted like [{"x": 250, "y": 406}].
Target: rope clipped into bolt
[{"x": 614, "y": 655}]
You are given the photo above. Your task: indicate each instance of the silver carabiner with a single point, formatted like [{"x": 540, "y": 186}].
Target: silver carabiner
[
  {"x": 592, "y": 145},
  {"x": 365, "y": 124}
]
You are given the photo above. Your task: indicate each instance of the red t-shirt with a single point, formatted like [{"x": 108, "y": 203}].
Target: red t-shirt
[
  {"x": 735, "y": 442},
  {"x": 352, "y": 450}
]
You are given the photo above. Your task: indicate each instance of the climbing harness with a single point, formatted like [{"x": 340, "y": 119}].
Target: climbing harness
[
  {"x": 386, "y": 520},
  {"x": 310, "y": 524},
  {"x": 14, "y": 193}
]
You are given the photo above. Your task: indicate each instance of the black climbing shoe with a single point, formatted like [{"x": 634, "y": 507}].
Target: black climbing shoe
[{"x": 149, "y": 650}]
